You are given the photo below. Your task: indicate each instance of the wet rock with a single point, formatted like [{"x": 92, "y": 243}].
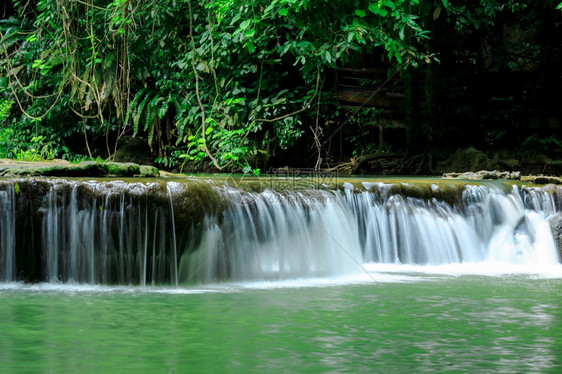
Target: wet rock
[
  {"x": 509, "y": 164},
  {"x": 541, "y": 179},
  {"x": 60, "y": 168},
  {"x": 54, "y": 169},
  {"x": 135, "y": 150},
  {"x": 484, "y": 174},
  {"x": 515, "y": 175},
  {"x": 472, "y": 159},
  {"x": 123, "y": 169},
  {"x": 147, "y": 171},
  {"x": 464, "y": 160},
  {"x": 556, "y": 227}
]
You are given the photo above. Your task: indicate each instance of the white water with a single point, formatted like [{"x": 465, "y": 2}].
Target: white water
[
  {"x": 488, "y": 226},
  {"x": 105, "y": 241},
  {"x": 7, "y": 234},
  {"x": 270, "y": 237},
  {"x": 276, "y": 237}
]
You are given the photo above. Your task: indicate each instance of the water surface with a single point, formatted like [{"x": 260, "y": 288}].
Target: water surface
[{"x": 388, "y": 322}]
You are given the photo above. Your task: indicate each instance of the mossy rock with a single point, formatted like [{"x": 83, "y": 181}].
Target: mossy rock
[
  {"x": 541, "y": 179},
  {"x": 147, "y": 171},
  {"x": 468, "y": 159},
  {"x": 484, "y": 174},
  {"x": 28, "y": 169},
  {"x": 87, "y": 169},
  {"x": 123, "y": 169},
  {"x": 135, "y": 150}
]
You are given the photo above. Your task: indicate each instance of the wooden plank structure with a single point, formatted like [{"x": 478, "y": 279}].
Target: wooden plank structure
[
  {"x": 358, "y": 87},
  {"x": 373, "y": 88}
]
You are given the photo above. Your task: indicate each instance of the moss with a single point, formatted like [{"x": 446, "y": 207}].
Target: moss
[
  {"x": 122, "y": 169},
  {"x": 147, "y": 171},
  {"x": 86, "y": 169},
  {"x": 541, "y": 179}
]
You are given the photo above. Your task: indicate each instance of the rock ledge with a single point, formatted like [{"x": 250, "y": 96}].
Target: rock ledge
[{"x": 61, "y": 168}]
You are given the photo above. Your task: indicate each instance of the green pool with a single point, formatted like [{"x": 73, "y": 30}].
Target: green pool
[{"x": 398, "y": 322}]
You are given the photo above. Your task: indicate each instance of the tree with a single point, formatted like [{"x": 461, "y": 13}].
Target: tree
[{"x": 229, "y": 81}]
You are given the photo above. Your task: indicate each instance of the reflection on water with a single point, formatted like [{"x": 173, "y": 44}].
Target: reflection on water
[{"x": 436, "y": 323}]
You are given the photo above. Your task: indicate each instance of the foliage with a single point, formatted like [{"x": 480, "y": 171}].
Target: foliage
[
  {"x": 549, "y": 143},
  {"x": 5, "y": 107},
  {"x": 227, "y": 81},
  {"x": 499, "y": 67}
]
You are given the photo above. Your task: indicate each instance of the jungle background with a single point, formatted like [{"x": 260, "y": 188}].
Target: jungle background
[{"x": 382, "y": 87}]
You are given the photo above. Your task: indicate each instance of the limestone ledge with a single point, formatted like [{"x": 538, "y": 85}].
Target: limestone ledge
[
  {"x": 495, "y": 174},
  {"x": 61, "y": 168}
]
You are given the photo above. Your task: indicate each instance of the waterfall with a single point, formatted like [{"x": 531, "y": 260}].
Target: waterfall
[
  {"x": 116, "y": 232},
  {"x": 7, "y": 233},
  {"x": 275, "y": 236},
  {"x": 101, "y": 240},
  {"x": 486, "y": 225}
]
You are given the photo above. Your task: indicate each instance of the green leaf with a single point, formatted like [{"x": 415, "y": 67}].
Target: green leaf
[
  {"x": 283, "y": 12},
  {"x": 36, "y": 63},
  {"x": 377, "y": 9},
  {"x": 328, "y": 57},
  {"x": 244, "y": 25},
  {"x": 391, "y": 4},
  {"x": 208, "y": 130},
  {"x": 360, "y": 13},
  {"x": 401, "y": 33}
]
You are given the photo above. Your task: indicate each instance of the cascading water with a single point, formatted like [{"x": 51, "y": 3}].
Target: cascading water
[
  {"x": 7, "y": 234},
  {"x": 486, "y": 225},
  {"x": 273, "y": 236},
  {"x": 112, "y": 232},
  {"x": 102, "y": 236}
]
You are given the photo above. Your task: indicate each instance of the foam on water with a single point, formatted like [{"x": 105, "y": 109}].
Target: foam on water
[
  {"x": 490, "y": 268},
  {"x": 374, "y": 273}
]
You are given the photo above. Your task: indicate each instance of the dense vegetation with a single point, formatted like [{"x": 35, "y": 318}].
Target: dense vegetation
[{"x": 242, "y": 85}]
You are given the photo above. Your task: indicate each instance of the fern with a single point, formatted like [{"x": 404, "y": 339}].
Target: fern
[
  {"x": 132, "y": 105},
  {"x": 151, "y": 114},
  {"x": 138, "y": 115}
]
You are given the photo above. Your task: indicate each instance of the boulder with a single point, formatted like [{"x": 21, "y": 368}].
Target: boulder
[
  {"x": 147, "y": 171},
  {"x": 464, "y": 160},
  {"x": 123, "y": 169},
  {"x": 60, "y": 168},
  {"x": 135, "y": 150},
  {"x": 484, "y": 174},
  {"x": 556, "y": 227},
  {"x": 541, "y": 179}
]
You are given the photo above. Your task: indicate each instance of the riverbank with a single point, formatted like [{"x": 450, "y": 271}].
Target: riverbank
[
  {"x": 97, "y": 169},
  {"x": 62, "y": 168},
  {"x": 463, "y": 160}
]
